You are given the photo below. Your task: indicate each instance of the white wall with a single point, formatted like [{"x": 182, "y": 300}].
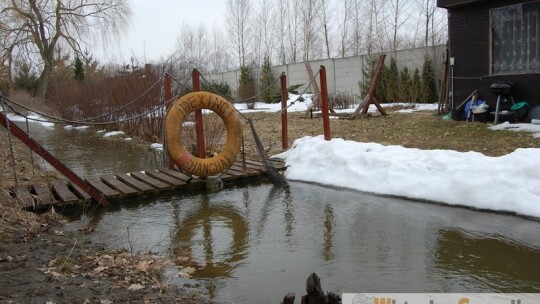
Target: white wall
[{"x": 343, "y": 74}]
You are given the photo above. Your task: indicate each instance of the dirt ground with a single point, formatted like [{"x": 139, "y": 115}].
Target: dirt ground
[
  {"x": 41, "y": 262},
  {"x": 423, "y": 130}
]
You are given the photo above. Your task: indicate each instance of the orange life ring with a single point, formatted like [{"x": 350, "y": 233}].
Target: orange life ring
[{"x": 176, "y": 116}]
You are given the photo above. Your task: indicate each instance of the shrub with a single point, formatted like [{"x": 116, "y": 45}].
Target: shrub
[{"x": 341, "y": 100}]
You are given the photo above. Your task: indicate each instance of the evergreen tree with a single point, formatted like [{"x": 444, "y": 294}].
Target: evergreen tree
[
  {"x": 392, "y": 82},
  {"x": 405, "y": 84},
  {"x": 267, "y": 83},
  {"x": 78, "y": 69},
  {"x": 25, "y": 78},
  {"x": 220, "y": 88},
  {"x": 382, "y": 86},
  {"x": 416, "y": 86},
  {"x": 429, "y": 87},
  {"x": 246, "y": 86},
  {"x": 367, "y": 73}
]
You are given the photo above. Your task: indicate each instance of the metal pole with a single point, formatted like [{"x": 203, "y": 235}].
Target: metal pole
[
  {"x": 284, "y": 98},
  {"x": 324, "y": 104},
  {"x": 199, "y": 124}
]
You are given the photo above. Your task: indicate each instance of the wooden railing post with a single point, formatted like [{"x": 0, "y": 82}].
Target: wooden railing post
[
  {"x": 324, "y": 103},
  {"x": 199, "y": 123},
  {"x": 284, "y": 98},
  {"x": 167, "y": 90}
]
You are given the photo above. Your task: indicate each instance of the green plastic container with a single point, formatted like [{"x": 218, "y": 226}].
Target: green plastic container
[{"x": 520, "y": 105}]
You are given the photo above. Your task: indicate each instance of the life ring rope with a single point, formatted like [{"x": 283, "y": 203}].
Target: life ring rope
[{"x": 176, "y": 116}]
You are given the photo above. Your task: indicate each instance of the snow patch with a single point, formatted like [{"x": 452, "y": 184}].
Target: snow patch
[{"x": 505, "y": 183}]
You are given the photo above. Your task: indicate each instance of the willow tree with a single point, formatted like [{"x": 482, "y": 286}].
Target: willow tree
[{"x": 39, "y": 27}]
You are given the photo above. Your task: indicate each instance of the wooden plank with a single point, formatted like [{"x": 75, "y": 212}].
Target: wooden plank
[
  {"x": 24, "y": 197},
  {"x": 177, "y": 174},
  {"x": 278, "y": 164},
  {"x": 151, "y": 181},
  {"x": 62, "y": 191},
  {"x": 165, "y": 178},
  {"x": 234, "y": 172},
  {"x": 118, "y": 185},
  {"x": 258, "y": 168},
  {"x": 135, "y": 183},
  {"x": 44, "y": 195},
  {"x": 248, "y": 171},
  {"x": 102, "y": 188},
  {"x": 80, "y": 192}
]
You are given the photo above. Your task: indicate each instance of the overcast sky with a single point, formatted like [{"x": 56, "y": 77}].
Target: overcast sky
[{"x": 155, "y": 25}]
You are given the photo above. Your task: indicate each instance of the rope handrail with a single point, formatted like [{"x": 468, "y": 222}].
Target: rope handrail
[
  {"x": 160, "y": 79},
  {"x": 287, "y": 107},
  {"x": 268, "y": 88},
  {"x": 184, "y": 84},
  {"x": 54, "y": 119}
]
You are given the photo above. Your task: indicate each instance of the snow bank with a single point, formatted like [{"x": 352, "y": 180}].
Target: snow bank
[{"x": 506, "y": 183}]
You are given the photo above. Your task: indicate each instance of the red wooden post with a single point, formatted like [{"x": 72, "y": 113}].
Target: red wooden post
[
  {"x": 167, "y": 88},
  {"x": 199, "y": 124},
  {"x": 284, "y": 97},
  {"x": 324, "y": 104}
]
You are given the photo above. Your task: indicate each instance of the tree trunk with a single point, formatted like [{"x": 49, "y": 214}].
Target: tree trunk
[{"x": 43, "y": 82}]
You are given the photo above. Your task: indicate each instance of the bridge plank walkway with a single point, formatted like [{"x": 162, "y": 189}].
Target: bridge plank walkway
[{"x": 129, "y": 185}]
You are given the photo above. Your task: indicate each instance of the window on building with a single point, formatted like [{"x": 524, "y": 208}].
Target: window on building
[{"x": 515, "y": 38}]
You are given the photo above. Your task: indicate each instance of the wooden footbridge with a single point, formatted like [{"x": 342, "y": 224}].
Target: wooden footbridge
[
  {"x": 107, "y": 189},
  {"x": 124, "y": 186}
]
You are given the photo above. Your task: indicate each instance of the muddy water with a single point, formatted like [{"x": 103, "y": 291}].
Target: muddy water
[
  {"x": 88, "y": 153},
  {"x": 253, "y": 244}
]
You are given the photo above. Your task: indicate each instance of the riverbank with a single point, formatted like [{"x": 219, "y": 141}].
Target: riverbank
[{"x": 42, "y": 262}]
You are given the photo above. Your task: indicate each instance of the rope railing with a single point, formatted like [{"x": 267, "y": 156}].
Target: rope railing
[
  {"x": 286, "y": 108},
  {"x": 160, "y": 80},
  {"x": 268, "y": 88},
  {"x": 182, "y": 84},
  {"x": 9, "y": 102}
]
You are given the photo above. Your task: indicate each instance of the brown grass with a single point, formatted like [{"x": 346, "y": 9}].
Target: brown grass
[{"x": 419, "y": 130}]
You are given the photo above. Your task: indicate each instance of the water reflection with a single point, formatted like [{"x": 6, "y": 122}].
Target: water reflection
[
  {"x": 509, "y": 264},
  {"x": 242, "y": 239},
  {"x": 288, "y": 215},
  {"x": 208, "y": 226},
  {"x": 329, "y": 224}
]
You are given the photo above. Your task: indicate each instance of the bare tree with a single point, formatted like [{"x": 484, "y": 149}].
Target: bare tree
[
  {"x": 325, "y": 15},
  {"x": 357, "y": 25},
  {"x": 41, "y": 25},
  {"x": 282, "y": 28},
  {"x": 295, "y": 28},
  {"x": 239, "y": 28},
  {"x": 265, "y": 27},
  {"x": 218, "y": 52},
  {"x": 309, "y": 31},
  {"x": 427, "y": 12},
  {"x": 396, "y": 9},
  {"x": 192, "y": 48},
  {"x": 347, "y": 9}
]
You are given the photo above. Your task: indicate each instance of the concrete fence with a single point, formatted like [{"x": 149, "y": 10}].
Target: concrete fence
[{"x": 343, "y": 74}]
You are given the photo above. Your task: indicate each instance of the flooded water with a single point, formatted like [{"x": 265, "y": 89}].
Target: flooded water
[
  {"x": 253, "y": 244},
  {"x": 88, "y": 153}
]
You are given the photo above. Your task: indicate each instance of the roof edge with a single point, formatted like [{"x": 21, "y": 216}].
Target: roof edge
[{"x": 454, "y": 3}]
